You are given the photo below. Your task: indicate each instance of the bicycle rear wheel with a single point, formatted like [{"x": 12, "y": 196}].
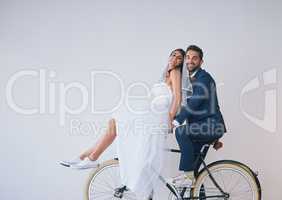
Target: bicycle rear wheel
[
  {"x": 103, "y": 182},
  {"x": 235, "y": 179}
]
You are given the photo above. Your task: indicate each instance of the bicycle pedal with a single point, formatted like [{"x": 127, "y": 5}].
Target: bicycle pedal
[
  {"x": 118, "y": 195},
  {"x": 119, "y": 191}
]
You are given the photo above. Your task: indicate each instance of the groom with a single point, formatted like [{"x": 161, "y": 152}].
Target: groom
[{"x": 204, "y": 122}]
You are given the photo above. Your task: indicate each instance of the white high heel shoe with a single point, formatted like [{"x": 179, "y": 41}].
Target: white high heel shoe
[
  {"x": 69, "y": 163},
  {"x": 86, "y": 164}
]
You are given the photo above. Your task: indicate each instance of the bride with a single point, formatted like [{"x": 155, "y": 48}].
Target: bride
[{"x": 141, "y": 149}]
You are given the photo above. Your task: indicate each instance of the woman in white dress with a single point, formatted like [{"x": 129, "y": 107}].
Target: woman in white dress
[{"x": 141, "y": 136}]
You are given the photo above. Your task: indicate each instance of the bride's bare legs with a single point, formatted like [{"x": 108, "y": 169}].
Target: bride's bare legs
[{"x": 105, "y": 141}]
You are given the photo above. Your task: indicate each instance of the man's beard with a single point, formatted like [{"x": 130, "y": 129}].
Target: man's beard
[{"x": 192, "y": 70}]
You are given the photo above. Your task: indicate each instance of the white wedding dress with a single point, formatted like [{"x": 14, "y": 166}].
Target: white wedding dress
[{"x": 141, "y": 140}]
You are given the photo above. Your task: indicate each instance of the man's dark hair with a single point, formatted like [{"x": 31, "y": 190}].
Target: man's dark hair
[{"x": 197, "y": 49}]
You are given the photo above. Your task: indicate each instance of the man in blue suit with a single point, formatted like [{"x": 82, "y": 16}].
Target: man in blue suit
[{"x": 204, "y": 121}]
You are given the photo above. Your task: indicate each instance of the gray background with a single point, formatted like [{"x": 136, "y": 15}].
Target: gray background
[{"x": 241, "y": 40}]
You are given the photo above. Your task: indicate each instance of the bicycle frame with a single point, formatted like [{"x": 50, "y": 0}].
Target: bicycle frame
[
  {"x": 201, "y": 186},
  {"x": 199, "y": 161}
]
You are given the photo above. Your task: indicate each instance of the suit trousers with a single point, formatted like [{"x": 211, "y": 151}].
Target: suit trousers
[{"x": 190, "y": 145}]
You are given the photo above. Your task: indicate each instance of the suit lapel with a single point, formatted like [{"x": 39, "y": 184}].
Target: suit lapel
[{"x": 198, "y": 73}]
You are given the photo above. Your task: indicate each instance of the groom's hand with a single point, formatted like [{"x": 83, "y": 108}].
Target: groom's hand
[
  {"x": 175, "y": 123},
  {"x": 171, "y": 126}
]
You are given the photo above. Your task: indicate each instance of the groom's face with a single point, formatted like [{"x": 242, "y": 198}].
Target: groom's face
[{"x": 193, "y": 60}]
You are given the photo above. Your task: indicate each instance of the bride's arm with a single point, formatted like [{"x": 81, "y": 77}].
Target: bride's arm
[{"x": 175, "y": 76}]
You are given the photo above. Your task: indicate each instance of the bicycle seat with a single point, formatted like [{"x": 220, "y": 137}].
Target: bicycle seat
[{"x": 217, "y": 145}]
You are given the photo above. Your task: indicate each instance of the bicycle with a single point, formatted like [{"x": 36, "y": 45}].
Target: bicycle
[{"x": 223, "y": 179}]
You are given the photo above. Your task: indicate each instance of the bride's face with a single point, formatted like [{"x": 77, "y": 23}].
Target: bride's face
[{"x": 176, "y": 58}]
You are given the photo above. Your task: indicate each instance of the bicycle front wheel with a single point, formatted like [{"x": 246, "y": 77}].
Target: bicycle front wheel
[
  {"x": 236, "y": 180},
  {"x": 103, "y": 182}
]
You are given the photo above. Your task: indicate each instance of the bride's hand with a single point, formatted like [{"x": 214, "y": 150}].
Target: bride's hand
[{"x": 170, "y": 125}]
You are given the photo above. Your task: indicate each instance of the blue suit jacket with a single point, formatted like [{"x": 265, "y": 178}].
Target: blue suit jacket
[{"x": 202, "y": 106}]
